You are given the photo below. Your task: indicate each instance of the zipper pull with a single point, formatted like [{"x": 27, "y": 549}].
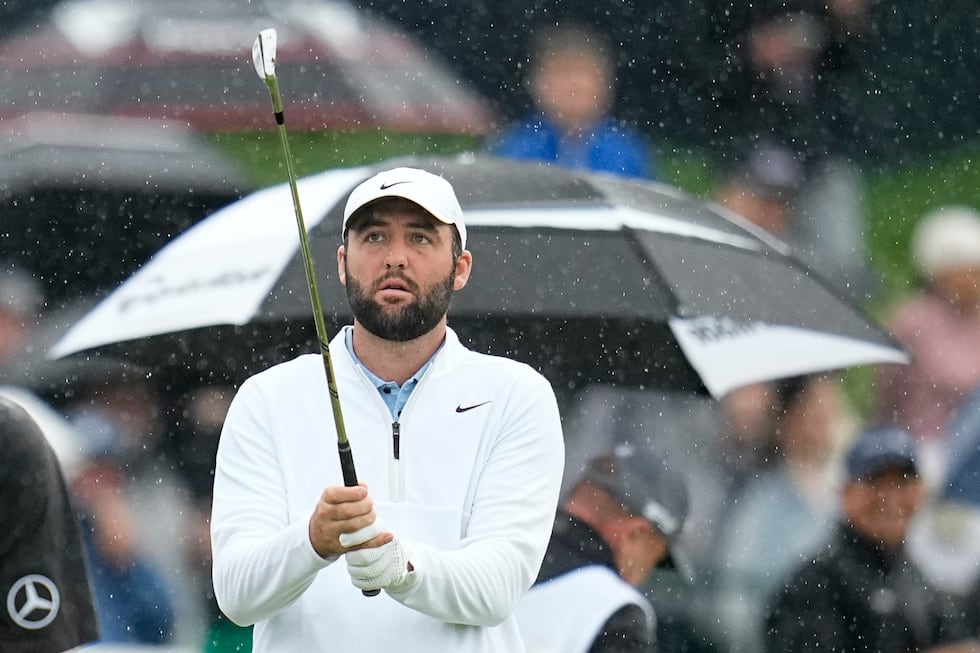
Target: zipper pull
[{"x": 395, "y": 439}]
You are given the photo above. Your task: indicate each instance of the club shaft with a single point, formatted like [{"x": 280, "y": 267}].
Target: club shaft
[
  {"x": 343, "y": 444},
  {"x": 350, "y": 477}
]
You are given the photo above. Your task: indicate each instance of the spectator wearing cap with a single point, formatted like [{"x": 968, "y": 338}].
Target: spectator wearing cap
[
  {"x": 766, "y": 184},
  {"x": 620, "y": 521},
  {"x": 940, "y": 327},
  {"x": 861, "y": 592},
  {"x": 761, "y": 185}
]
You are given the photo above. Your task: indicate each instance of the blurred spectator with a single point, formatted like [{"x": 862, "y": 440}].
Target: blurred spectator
[
  {"x": 135, "y": 602},
  {"x": 21, "y": 298},
  {"x": 945, "y": 540},
  {"x": 745, "y": 435},
  {"x": 193, "y": 447},
  {"x": 769, "y": 186},
  {"x": 135, "y": 517},
  {"x": 761, "y": 188},
  {"x": 961, "y": 471},
  {"x": 681, "y": 427},
  {"x": 621, "y": 520},
  {"x": 684, "y": 429},
  {"x": 571, "y": 80},
  {"x": 43, "y": 579},
  {"x": 782, "y": 514},
  {"x": 940, "y": 327},
  {"x": 785, "y": 66},
  {"x": 780, "y": 93},
  {"x": 861, "y": 593},
  {"x": 194, "y": 442}
]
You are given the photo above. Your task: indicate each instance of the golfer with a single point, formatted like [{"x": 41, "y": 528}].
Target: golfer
[{"x": 459, "y": 456}]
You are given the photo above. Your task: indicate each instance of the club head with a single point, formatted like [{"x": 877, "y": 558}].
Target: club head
[{"x": 264, "y": 54}]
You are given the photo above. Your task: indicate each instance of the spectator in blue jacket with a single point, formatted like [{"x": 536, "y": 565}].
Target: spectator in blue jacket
[{"x": 572, "y": 84}]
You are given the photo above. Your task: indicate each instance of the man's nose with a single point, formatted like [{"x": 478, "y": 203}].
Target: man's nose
[{"x": 396, "y": 256}]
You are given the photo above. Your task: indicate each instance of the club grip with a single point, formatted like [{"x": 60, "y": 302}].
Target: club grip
[
  {"x": 347, "y": 464},
  {"x": 350, "y": 480}
]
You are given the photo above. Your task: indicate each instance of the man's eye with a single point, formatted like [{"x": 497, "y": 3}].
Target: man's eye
[
  {"x": 420, "y": 238},
  {"x": 374, "y": 237}
]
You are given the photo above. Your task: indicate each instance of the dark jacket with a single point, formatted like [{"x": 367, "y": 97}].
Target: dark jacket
[
  {"x": 574, "y": 545},
  {"x": 43, "y": 579},
  {"x": 856, "y": 598},
  {"x": 973, "y": 610}
]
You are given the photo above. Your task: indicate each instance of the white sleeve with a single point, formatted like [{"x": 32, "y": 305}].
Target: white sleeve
[
  {"x": 513, "y": 512},
  {"x": 262, "y": 563}
]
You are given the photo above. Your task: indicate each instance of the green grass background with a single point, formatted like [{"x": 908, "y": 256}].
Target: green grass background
[{"x": 897, "y": 194}]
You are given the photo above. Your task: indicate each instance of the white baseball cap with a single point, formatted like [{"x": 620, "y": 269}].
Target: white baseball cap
[
  {"x": 652, "y": 490},
  {"x": 431, "y": 192},
  {"x": 947, "y": 237}
]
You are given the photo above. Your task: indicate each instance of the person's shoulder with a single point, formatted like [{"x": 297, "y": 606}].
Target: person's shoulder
[
  {"x": 505, "y": 376},
  {"x": 13, "y": 414},
  {"x": 916, "y": 310},
  {"x": 822, "y": 567},
  {"x": 525, "y": 138},
  {"x": 533, "y": 122},
  {"x": 500, "y": 367},
  {"x": 17, "y": 426},
  {"x": 297, "y": 369},
  {"x": 619, "y": 130}
]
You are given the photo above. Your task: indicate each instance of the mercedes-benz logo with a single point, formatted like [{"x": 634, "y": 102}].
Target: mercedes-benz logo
[{"x": 33, "y": 602}]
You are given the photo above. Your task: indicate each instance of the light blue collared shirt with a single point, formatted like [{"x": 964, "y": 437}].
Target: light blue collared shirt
[{"x": 395, "y": 397}]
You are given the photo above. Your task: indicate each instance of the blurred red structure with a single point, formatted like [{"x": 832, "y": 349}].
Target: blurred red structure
[{"x": 191, "y": 61}]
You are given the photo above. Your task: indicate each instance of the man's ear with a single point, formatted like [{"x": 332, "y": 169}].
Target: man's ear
[
  {"x": 341, "y": 265},
  {"x": 463, "y": 266}
]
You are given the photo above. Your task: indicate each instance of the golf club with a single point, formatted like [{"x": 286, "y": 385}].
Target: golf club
[{"x": 264, "y": 58}]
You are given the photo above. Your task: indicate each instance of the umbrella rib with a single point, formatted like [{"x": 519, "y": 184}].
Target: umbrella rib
[{"x": 637, "y": 246}]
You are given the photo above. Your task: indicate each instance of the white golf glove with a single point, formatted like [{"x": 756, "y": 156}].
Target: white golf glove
[{"x": 381, "y": 567}]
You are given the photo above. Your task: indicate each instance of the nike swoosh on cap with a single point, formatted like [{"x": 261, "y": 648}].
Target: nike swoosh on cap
[
  {"x": 394, "y": 183},
  {"x": 463, "y": 409}
]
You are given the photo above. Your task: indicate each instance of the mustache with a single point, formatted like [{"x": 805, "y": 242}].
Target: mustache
[{"x": 396, "y": 276}]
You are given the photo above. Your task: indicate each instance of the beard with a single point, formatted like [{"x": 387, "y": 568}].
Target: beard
[{"x": 404, "y": 323}]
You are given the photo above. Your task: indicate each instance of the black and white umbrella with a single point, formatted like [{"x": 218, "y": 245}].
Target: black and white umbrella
[{"x": 588, "y": 278}]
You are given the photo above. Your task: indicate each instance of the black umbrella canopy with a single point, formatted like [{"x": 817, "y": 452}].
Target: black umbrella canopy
[{"x": 85, "y": 200}]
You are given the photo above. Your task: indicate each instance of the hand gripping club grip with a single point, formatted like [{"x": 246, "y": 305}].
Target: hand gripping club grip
[{"x": 350, "y": 480}]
